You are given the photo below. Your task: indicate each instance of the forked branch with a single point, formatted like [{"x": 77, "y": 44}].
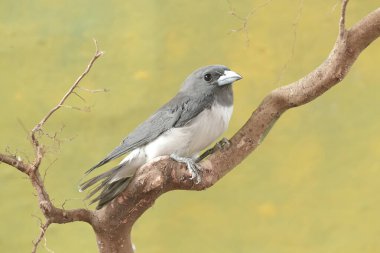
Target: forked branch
[
  {"x": 51, "y": 212},
  {"x": 113, "y": 223}
]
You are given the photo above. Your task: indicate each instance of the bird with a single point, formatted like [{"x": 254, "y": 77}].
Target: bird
[{"x": 191, "y": 121}]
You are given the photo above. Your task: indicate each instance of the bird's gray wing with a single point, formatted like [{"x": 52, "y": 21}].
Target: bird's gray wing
[
  {"x": 176, "y": 113},
  {"x": 192, "y": 108}
]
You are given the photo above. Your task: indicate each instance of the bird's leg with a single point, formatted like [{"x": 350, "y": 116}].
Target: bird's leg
[
  {"x": 191, "y": 166},
  {"x": 222, "y": 144}
]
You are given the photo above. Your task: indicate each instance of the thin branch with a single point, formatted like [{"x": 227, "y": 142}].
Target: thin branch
[
  {"x": 14, "y": 161},
  {"x": 244, "y": 20},
  {"x": 79, "y": 96},
  {"x": 93, "y": 91},
  {"x": 70, "y": 91},
  {"x": 38, "y": 149},
  {"x": 342, "y": 22},
  {"x": 43, "y": 228},
  {"x": 46, "y": 247},
  {"x": 334, "y": 6},
  {"x": 82, "y": 109},
  {"x": 295, "y": 25},
  {"x": 23, "y": 126},
  {"x": 47, "y": 169},
  {"x": 51, "y": 213}
]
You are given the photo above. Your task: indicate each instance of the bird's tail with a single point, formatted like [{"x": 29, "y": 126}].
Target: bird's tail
[{"x": 103, "y": 183}]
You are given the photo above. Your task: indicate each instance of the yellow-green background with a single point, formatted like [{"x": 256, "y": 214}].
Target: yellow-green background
[{"x": 312, "y": 186}]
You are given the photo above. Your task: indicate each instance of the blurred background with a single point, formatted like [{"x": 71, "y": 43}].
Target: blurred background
[{"x": 313, "y": 184}]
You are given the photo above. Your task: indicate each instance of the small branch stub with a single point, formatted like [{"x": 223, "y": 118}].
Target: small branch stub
[{"x": 342, "y": 22}]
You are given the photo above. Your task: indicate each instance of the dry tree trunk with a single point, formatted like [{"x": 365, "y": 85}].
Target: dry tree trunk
[{"x": 113, "y": 224}]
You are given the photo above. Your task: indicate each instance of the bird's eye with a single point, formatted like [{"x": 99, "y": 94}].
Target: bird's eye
[{"x": 207, "y": 77}]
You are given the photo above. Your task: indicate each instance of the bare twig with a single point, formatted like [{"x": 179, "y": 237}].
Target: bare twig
[
  {"x": 56, "y": 139},
  {"x": 39, "y": 150},
  {"x": 72, "y": 199},
  {"x": 244, "y": 20},
  {"x": 79, "y": 96},
  {"x": 43, "y": 228},
  {"x": 93, "y": 91},
  {"x": 333, "y": 8},
  {"x": 342, "y": 22},
  {"x": 23, "y": 126},
  {"x": 82, "y": 109},
  {"x": 14, "y": 161},
  {"x": 47, "y": 169},
  {"x": 70, "y": 91},
  {"x": 46, "y": 247},
  {"x": 292, "y": 52},
  {"x": 51, "y": 213}
]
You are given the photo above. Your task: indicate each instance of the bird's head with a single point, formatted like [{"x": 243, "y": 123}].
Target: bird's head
[{"x": 210, "y": 78}]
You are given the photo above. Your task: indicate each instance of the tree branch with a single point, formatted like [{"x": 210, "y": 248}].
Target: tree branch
[
  {"x": 342, "y": 22},
  {"x": 71, "y": 90},
  {"x": 43, "y": 228},
  {"x": 113, "y": 223},
  {"x": 51, "y": 213},
  {"x": 162, "y": 175},
  {"x": 14, "y": 161}
]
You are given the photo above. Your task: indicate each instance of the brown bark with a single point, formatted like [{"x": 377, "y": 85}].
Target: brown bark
[
  {"x": 114, "y": 240},
  {"x": 158, "y": 177},
  {"x": 49, "y": 210},
  {"x": 113, "y": 224}
]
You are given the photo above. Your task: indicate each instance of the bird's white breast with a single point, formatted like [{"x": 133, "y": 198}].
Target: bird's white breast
[{"x": 195, "y": 136}]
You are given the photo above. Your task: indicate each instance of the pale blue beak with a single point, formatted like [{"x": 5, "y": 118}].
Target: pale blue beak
[{"x": 228, "y": 77}]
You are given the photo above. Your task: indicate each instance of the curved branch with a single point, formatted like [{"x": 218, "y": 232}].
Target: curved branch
[
  {"x": 52, "y": 213},
  {"x": 162, "y": 175}
]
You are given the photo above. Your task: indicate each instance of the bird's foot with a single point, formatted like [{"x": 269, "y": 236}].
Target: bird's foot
[
  {"x": 192, "y": 167},
  {"x": 222, "y": 144}
]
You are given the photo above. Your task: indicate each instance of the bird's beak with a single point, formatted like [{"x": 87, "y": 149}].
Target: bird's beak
[{"x": 228, "y": 77}]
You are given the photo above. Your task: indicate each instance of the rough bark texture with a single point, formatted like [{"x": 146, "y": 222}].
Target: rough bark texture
[
  {"x": 113, "y": 224},
  {"x": 163, "y": 175}
]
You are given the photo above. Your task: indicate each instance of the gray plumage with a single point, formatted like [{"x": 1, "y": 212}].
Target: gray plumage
[{"x": 184, "y": 126}]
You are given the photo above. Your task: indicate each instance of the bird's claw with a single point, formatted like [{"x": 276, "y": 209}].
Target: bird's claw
[
  {"x": 220, "y": 145},
  {"x": 191, "y": 165},
  {"x": 194, "y": 171},
  {"x": 223, "y": 143}
]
